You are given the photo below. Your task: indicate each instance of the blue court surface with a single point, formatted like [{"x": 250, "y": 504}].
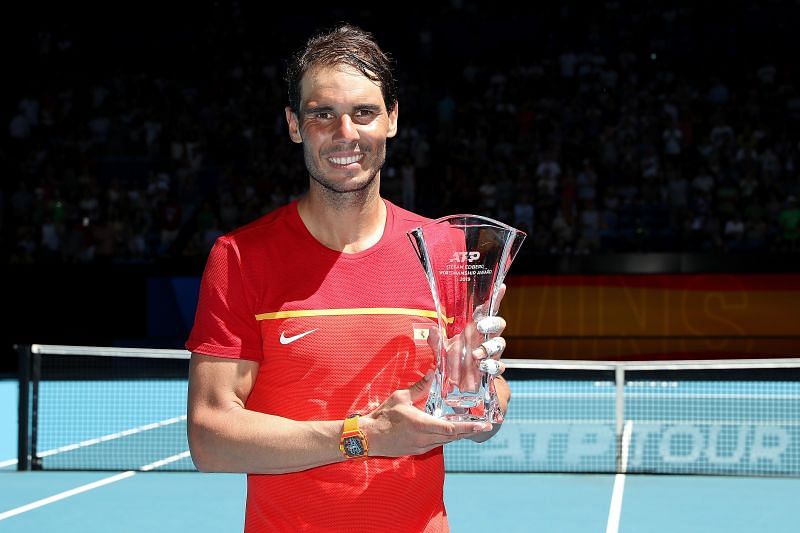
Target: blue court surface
[{"x": 156, "y": 501}]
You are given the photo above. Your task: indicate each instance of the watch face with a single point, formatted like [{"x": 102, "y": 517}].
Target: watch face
[{"x": 353, "y": 447}]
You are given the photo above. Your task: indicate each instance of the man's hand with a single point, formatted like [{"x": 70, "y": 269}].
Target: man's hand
[
  {"x": 483, "y": 335},
  {"x": 488, "y": 354},
  {"x": 398, "y": 427},
  {"x": 491, "y": 327}
]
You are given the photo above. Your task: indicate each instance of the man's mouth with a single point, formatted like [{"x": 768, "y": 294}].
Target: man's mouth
[{"x": 346, "y": 160}]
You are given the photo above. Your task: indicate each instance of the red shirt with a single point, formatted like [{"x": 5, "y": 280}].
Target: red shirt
[{"x": 334, "y": 334}]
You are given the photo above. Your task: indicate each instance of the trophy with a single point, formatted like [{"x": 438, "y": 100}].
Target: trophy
[{"x": 465, "y": 258}]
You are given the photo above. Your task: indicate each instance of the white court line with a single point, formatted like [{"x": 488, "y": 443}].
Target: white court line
[
  {"x": 615, "y": 510},
  {"x": 655, "y": 422},
  {"x": 66, "y": 494},
  {"x": 98, "y": 440},
  {"x": 168, "y": 460},
  {"x": 113, "y": 436},
  {"x": 666, "y": 395},
  {"x": 89, "y": 486}
]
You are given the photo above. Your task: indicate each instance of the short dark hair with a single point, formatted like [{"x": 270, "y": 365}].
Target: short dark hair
[{"x": 343, "y": 45}]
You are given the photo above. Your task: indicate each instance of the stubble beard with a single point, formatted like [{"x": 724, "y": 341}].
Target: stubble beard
[{"x": 341, "y": 196}]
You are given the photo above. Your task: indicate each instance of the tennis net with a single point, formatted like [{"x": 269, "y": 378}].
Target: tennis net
[
  {"x": 94, "y": 408},
  {"x": 733, "y": 417},
  {"x": 102, "y": 408}
]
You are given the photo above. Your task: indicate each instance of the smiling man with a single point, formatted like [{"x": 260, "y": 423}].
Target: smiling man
[
  {"x": 344, "y": 129},
  {"x": 308, "y": 368}
]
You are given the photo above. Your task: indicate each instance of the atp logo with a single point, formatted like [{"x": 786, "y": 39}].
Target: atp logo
[{"x": 463, "y": 257}]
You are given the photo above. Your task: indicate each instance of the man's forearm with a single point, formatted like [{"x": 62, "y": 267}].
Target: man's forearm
[{"x": 240, "y": 440}]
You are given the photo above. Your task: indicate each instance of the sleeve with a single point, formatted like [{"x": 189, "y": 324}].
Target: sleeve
[{"x": 224, "y": 324}]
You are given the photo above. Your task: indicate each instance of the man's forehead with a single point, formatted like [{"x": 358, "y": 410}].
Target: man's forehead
[{"x": 339, "y": 83}]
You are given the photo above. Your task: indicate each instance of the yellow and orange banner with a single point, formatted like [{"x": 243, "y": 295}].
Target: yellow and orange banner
[{"x": 663, "y": 316}]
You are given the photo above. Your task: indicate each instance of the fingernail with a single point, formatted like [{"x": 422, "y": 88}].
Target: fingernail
[
  {"x": 493, "y": 346},
  {"x": 490, "y": 366},
  {"x": 488, "y": 325}
]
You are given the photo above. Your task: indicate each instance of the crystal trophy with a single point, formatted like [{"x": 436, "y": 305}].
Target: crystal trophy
[{"x": 465, "y": 258}]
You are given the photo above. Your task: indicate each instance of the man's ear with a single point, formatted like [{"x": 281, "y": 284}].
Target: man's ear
[
  {"x": 393, "y": 120},
  {"x": 294, "y": 125}
]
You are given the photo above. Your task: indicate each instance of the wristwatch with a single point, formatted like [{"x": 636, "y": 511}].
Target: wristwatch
[{"x": 353, "y": 442}]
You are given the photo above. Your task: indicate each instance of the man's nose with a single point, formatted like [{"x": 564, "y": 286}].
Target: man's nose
[{"x": 346, "y": 129}]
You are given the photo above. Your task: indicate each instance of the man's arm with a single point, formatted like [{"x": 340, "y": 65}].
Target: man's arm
[{"x": 224, "y": 436}]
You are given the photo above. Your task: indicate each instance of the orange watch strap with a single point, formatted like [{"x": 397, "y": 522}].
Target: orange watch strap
[
  {"x": 349, "y": 430},
  {"x": 350, "y": 424}
]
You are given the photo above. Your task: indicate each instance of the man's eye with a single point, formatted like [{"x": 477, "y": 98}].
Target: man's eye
[
  {"x": 324, "y": 115},
  {"x": 364, "y": 116}
]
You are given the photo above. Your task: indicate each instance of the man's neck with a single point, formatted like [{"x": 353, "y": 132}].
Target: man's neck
[{"x": 348, "y": 223}]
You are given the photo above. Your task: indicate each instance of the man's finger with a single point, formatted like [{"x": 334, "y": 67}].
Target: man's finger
[
  {"x": 491, "y": 325},
  {"x": 450, "y": 430},
  {"x": 492, "y": 367},
  {"x": 467, "y": 428},
  {"x": 499, "y": 298},
  {"x": 490, "y": 349},
  {"x": 433, "y": 338},
  {"x": 419, "y": 390},
  {"x": 480, "y": 311}
]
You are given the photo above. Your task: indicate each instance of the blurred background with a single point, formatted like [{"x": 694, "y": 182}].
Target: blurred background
[{"x": 650, "y": 149}]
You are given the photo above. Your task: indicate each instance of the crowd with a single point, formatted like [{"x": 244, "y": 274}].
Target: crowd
[{"x": 602, "y": 139}]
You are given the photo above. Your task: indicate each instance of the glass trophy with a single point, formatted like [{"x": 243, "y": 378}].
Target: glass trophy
[{"x": 465, "y": 258}]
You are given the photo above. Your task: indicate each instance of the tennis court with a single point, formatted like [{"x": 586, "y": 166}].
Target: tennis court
[{"x": 587, "y": 447}]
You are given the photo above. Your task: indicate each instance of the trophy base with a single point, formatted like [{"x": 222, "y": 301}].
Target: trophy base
[
  {"x": 459, "y": 406},
  {"x": 488, "y": 411},
  {"x": 464, "y": 408},
  {"x": 463, "y": 400}
]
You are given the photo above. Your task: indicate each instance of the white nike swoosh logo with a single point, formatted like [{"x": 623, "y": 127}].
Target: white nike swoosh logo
[{"x": 288, "y": 340}]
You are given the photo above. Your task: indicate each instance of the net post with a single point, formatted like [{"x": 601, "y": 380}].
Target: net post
[
  {"x": 23, "y": 425},
  {"x": 619, "y": 412},
  {"x": 35, "y": 378}
]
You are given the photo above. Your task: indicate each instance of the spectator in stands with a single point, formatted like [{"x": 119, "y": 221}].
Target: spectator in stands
[
  {"x": 533, "y": 116},
  {"x": 789, "y": 220}
]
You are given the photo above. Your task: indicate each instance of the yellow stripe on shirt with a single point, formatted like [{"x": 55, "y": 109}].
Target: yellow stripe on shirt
[{"x": 349, "y": 311}]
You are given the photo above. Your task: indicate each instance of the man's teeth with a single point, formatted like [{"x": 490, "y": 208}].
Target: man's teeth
[{"x": 346, "y": 160}]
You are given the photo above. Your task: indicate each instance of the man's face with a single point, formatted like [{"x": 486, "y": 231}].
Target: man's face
[{"x": 343, "y": 126}]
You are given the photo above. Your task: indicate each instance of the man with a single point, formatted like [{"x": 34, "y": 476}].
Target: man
[{"x": 307, "y": 315}]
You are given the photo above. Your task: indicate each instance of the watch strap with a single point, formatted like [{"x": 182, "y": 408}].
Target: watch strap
[
  {"x": 350, "y": 431},
  {"x": 350, "y": 424}
]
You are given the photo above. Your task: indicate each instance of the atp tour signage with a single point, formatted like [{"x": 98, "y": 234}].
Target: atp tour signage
[{"x": 680, "y": 447}]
